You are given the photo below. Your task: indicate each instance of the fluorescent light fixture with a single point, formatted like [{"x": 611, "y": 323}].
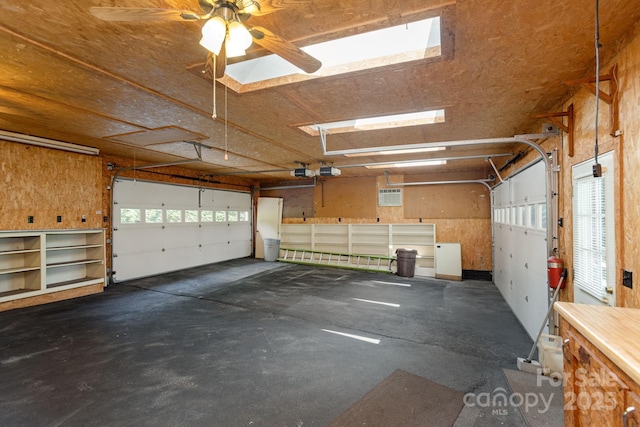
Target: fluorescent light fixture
[
  {"x": 401, "y": 151},
  {"x": 409, "y": 164},
  {"x": 48, "y": 143},
  {"x": 376, "y": 123},
  {"x": 393, "y": 45}
]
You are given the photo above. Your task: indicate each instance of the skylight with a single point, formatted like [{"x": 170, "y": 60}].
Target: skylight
[
  {"x": 393, "y": 45},
  {"x": 375, "y": 123}
]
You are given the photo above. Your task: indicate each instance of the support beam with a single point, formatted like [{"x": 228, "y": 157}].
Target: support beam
[
  {"x": 556, "y": 119},
  {"x": 610, "y": 98}
]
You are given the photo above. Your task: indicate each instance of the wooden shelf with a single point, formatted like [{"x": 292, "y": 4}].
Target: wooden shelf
[
  {"x": 15, "y": 292},
  {"x": 62, "y": 248},
  {"x": 18, "y": 270},
  {"x": 70, "y": 263},
  {"x": 19, "y": 251},
  {"x": 35, "y": 265},
  {"x": 83, "y": 281}
]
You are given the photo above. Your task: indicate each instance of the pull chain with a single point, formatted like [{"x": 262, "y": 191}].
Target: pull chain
[
  {"x": 214, "y": 115},
  {"x": 226, "y": 157}
]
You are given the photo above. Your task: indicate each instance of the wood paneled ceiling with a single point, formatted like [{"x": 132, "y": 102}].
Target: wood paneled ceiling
[{"x": 69, "y": 76}]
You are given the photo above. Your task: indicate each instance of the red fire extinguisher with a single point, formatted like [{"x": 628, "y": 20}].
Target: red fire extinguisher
[{"x": 555, "y": 267}]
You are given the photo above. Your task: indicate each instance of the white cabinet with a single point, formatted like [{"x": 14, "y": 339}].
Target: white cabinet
[
  {"x": 45, "y": 266},
  {"x": 448, "y": 261}
]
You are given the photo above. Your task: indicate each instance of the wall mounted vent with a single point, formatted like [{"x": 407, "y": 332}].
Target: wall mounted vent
[{"x": 390, "y": 197}]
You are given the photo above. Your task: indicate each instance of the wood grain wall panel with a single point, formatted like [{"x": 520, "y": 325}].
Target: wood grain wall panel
[
  {"x": 447, "y": 201},
  {"x": 474, "y": 236},
  {"x": 346, "y": 198},
  {"x": 45, "y": 183},
  {"x": 298, "y": 202},
  {"x": 628, "y": 241}
]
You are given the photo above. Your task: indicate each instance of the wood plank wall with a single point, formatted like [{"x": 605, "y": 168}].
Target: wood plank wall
[
  {"x": 46, "y": 183},
  {"x": 626, "y": 150}
]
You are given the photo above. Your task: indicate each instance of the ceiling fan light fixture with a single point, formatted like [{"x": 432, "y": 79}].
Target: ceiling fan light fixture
[
  {"x": 251, "y": 7},
  {"x": 239, "y": 35},
  {"x": 213, "y": 34},
  {"x": 232, "y": 50}
]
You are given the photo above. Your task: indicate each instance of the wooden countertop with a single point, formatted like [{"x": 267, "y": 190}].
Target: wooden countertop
[{"x": 615, "y": 331}]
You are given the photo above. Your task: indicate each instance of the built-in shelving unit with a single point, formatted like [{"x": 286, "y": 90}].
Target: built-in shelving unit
[
  {"x": 45, "y": 266},
  {"x": 366, "y": 239},
  {"x": 422, "y": 238}
]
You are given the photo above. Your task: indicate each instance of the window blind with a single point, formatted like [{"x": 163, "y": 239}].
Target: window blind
[{"x": 589, "y": 236}]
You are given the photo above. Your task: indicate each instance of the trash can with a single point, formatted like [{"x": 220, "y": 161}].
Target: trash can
[
  {"x": 271, "y": 249},
  {"x": 406, "y": 262}
]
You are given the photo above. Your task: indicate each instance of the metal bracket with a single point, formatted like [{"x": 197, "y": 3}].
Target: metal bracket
[
  {"x": 323, "y": 137},
  {"x": 556, "y": 119},
  {"x": 610, "y": 98}
]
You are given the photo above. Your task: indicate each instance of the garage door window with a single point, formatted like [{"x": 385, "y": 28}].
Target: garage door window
[
  {"x": 153, "y": 216},
  {"x": 129, "y": 216}
]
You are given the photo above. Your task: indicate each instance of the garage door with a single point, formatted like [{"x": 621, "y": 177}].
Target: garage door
[
  {"x": 160, "y": 227},
  {"x": 520, "y": 245}
]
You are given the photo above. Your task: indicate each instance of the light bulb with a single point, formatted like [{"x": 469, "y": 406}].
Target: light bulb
[
  {"x": 232, "y": 49},
  {"x": 213, "y": 34},
  {"x": 252, "y": 7},
  {"x": 239, "y": 35}
]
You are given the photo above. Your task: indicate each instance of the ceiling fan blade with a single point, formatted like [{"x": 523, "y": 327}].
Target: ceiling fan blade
[
  {"x": 267, "y": 7},
  {"x": 284, "y": 49},
  {"x": 141, "y": 14}
]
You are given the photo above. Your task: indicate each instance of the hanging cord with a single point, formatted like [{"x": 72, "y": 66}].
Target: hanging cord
[
  {"x": 226, "y": 157},
  {"x": 597, "y": 169},
  {"x": 214, "y": 115}
]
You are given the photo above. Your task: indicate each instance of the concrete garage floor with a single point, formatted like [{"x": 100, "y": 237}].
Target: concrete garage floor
[{"x": 242, "y": 343}]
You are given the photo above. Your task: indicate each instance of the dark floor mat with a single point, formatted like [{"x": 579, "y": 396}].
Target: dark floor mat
[{"x": 404, "y": 399}]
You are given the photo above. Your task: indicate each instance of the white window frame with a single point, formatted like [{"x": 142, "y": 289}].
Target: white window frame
[{"x": 593, "y": 224}]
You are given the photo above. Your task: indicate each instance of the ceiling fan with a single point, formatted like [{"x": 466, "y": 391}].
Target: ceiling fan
[{"x": 223, "y": 33}]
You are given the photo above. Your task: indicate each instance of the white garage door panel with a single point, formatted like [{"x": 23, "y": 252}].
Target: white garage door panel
[
  {"x": 520, "y": 247},
  {"x": 145, "y": 249}
]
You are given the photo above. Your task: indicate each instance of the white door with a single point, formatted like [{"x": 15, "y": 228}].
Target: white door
[
  {"x": 159, "y": 227},
  {"x": 593, "y": 233},
  {"x": 268, "y": 220}
]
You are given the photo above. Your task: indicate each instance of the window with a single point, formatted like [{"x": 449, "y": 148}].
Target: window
[
  {"x": 400, "y": 43},
  {"x": 244, "y": 216},
  {"x": 542, "y": 215},
  {"x": 532, "y": 216},
  {"x": 174, "y": 215},
  {"x": 590, "y": 235},
  {"x": 232, "y": 216},
  {"x": 593, "y": 238},
  {"x": 129, "y": 216},
  {"x": 190, "y": 215},
  {"x": 153, "y": 216},
  {"x": 221, "y": 216},
  {"x": 522, "y": 216},
  {"x": 206, "y": 216}
]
